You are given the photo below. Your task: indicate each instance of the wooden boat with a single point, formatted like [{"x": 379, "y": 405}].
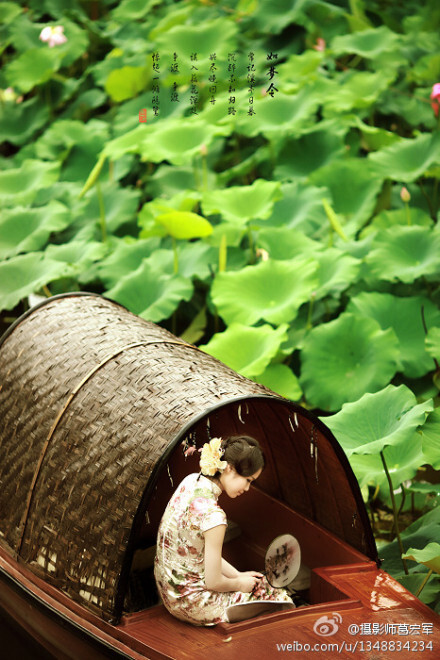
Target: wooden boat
[{"x": 97, "y": 407}]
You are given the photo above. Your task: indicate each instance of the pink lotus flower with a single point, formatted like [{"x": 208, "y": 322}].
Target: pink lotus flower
[
  {"x": 320, "y": 44},
  {"x": 405, "y": 195},
  {"x": 435, "y": 98},
  {"x": 53, "y": 35}
]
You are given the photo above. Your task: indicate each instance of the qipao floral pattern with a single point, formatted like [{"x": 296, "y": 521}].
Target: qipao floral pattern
[{"x": 179, "y": 562}]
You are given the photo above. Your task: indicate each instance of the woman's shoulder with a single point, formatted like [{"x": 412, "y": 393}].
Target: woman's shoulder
[
  {"x": 197, "y": 486},
  {"x": 190, "y": 481}
]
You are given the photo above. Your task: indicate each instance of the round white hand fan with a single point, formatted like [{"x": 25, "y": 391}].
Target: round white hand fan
[{"x": 283, "y": 560}]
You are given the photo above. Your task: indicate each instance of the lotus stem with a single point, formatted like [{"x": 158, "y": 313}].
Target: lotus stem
[
  {"x": 408, "y": 213},
  {"x": 435, "y": 195},
  {"x": 395, "y": 516},
  {"x": 419, "y": 590},
  {"x": 310, "y": 312},
  {"x": 101, "y": 212},
  {"x": 222, "y": 254},
  {"x": 403, "y": 499}
]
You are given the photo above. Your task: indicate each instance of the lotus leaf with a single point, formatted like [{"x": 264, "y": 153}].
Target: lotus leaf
[
  {"x": 354, "y": 187},
  {"x": 120, "y": 206},
  {"x": 78, "y": 254},
  {"x": 196, "y": 260},
  {"x": 131, "y": 10},
  {"x": 282, "y": 243},
  {"x": 25, "y": 274},
  {"x": 240, "y": 204},
  {"x": 281, "y": 116},
  {"x": 21, "y": 185},
  {"x": 184, "y": 224},
  {"x": 271, "y": 290},
  {"x": 430, "y": 435},
  {"x": 177, "y": 140},
  {"x": 33, "y": 67},
  {"x": 301, "y": 208},
  {"x": 274, "y": 15},
  {"x": 388, "y": 219},
  {"x": 413, "y": 582},
  {"x": 25, "y": 36},
  {"x": 212, "y": 36},
  {"x": 423, "y": 487},
  {"x": 414, "y": 111},
  {"x": 418, "y": 534},
  {"x": 345, "y": 358},
  {"x": 428, "y": 556},
  {"x": 368, "y": 43},
  {"x": 230, "y": 233},
  {"x": 64, "y": 134},
  {"x": 246, "y": 350},
  {"x": 125, "y": 258},
  {"x": 375, "y": 421},
  {"x": 433, "y": 343},
  {"x": 18, "y": 123},
  {"x": 407, "y": 159},
  {"x": 26, "y": 229},
  {"x": 301, "y": 68},
  {"x": 8, "y": 11},
  {"x": 403, "y": 462},
  {"x": 280, "y": 379},
  {"x": 405, "y": 253},
  {"x": 196, "y": 329},
  {"x": 115, "y": 59},
  {"x": 299, "y": 157},
  {"x": 356, "y": 90},
  {"x": 179, "y": 16},
  {"x": 151, "y": 293},
  {"x": 373, "y": 138},
  {"x": 337, "y": 271},
  {"x": 126, "y": 82},
  {"x": 170, "y": 179},
  {"x": 405, "y": 316},
  {"x": 426, "y": 69}
]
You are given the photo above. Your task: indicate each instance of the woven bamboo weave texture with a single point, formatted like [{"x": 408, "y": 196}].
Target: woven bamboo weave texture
[{"x": 99, "y": 458}]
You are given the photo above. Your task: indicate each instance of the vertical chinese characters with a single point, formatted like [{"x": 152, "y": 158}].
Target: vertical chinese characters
[
  {"x": 212, "y": 77},
  {"x": 232, "y": 110},
  {"x": 272, "y": 57},
  {"x": 174, "y": 68},
  {"x": 155, "y": 89},
  {"x": 251, "y": 83},
  {"x": 194, "y": 98}
]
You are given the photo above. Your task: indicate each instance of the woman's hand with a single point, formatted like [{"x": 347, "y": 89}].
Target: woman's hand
[
  {"x": 249, "y": 580},
  {"x": 215, "y": 580}
]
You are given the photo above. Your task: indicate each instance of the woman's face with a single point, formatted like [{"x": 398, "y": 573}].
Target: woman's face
[{"x": 233, "y": 484}]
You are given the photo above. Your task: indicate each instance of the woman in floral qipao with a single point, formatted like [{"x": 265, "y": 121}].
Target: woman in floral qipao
[{"x": 195, "y": 582}]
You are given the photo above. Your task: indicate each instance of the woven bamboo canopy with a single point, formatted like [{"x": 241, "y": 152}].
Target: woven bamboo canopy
[{"x": 95, "y": 403}]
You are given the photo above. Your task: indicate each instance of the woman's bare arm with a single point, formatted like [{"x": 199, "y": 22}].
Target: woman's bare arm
[
  {"x": 215, "y": 580},
  {"x": 228, "y": 570}
]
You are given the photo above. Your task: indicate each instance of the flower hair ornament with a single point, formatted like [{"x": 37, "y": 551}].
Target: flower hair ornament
[{"x": 210, "y": 458}]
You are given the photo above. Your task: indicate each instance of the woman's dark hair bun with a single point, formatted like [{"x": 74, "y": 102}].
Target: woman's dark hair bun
[{"x": 244, "y": 453}]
